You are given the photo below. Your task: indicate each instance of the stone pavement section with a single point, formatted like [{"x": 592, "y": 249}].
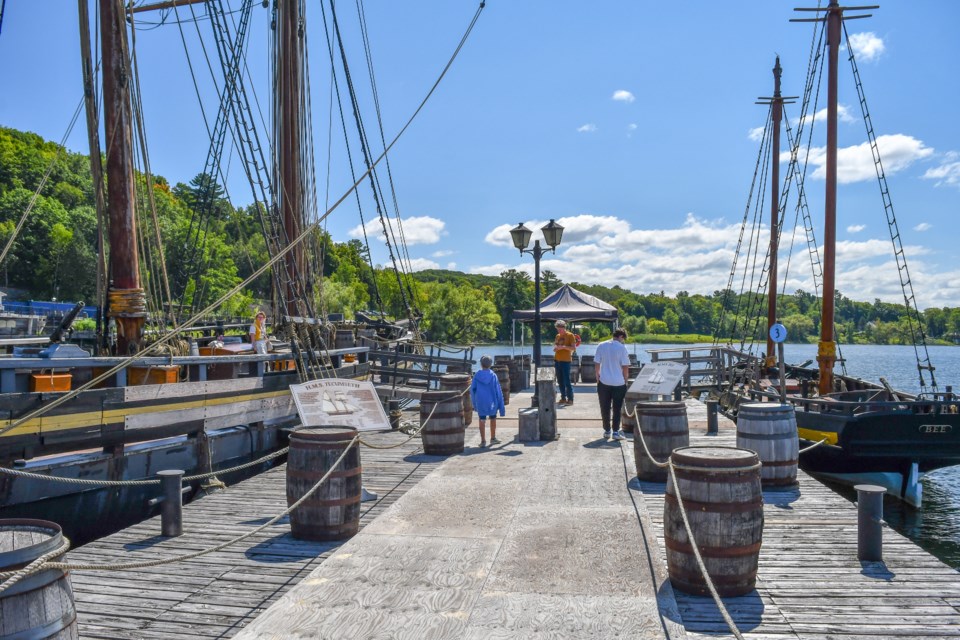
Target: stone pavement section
[{"x": 532, "y": 541}]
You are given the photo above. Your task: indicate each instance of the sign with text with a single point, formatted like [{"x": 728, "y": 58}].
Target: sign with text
[
  {"x": 658, "y": 378},
  {"x": 340, "y": 402}
]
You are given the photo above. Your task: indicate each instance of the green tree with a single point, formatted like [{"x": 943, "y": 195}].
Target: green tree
[
  {"x": 512, "y": 292},
  {"x": 459, "y": 315}
]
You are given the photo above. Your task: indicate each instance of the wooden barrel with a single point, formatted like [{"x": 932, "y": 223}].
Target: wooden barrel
[
  {"x": 333, "y": 511},
  {"x": 629, "y": 422},
  {"x": 459, "y": 382},
  {"x": 458, "y": 368},
  {"x": 367, "y": 338},
  {"x": 503, "y": 376},
  {"x": 588, "y": 371},
  {"x": 723, "y": 499},
  {"x": 633, "y": 359},
  {"x": 664, "y": 428},
  {"x": 770, "y": 430},
  {"x": 575, "y": 371},
  {"x": 344, "y": 339},
  {"x": 40, "y": 605},
  {"x": 442, "y": 414}
]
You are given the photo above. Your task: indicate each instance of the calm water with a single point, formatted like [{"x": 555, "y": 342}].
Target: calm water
[{"x": 936, "y": 525}]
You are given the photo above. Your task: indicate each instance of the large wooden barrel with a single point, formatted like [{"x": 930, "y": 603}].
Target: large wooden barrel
[
  {"x": 459, "y": 368},
  {"x": 40, "y": 605},
  {"x": 344, "y": 339},
  {"x": 333, "y": 511},
  {"x": 723, "y": 499},
  {"x": 503, "y": 376},
  {"x": 441, "y": 413},
  {"x": 771, "y": 430},
  {"x": 588, "y": 371},
  {"x": 664, "y": 427},
  {"x": 575, "y": 370},
  {"x": 459, "y": 382},
  {"x": 627, "y": 421}
]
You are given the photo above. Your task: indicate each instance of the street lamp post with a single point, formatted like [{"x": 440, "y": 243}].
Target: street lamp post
[{"x": 552, "y": 232}]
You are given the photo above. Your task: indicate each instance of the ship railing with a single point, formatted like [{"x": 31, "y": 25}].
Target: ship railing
[
  {"x": 712, "y": 366},
  {"x": 858, "y": 402}
]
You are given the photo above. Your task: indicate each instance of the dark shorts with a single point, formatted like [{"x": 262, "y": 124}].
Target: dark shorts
[{"x": 493, "y": 417}]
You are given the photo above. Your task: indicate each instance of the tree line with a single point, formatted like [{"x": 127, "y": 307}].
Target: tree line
[{"x": 55, "y": 256}]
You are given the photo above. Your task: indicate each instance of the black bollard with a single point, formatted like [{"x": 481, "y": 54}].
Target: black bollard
[
  {"x": 171, "y": 508},
  {"x": 678, "y": 394},
  {"x": 394, "y": 406},
  {"x": 869, "y": 522},
  {"x": 712, "y": 422}
]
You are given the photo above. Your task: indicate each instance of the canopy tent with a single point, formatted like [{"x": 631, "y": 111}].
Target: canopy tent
[{"x": 566, "y": 303}]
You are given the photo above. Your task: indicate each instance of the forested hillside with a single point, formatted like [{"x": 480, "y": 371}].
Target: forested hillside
[{"x": 55, "y": 255}]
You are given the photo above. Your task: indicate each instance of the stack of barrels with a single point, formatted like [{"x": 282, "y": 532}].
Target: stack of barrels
[
  {"x": 459, "y": 382},
  {"x": 503, "y": 376},
  {"x": 588, "y": 372}
]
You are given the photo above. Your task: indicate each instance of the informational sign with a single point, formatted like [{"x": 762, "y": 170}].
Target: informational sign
[
  {"x": 778, "y": 332},
  {"x": 340, "y": 402},
  {"x": 658, "y": 378}
]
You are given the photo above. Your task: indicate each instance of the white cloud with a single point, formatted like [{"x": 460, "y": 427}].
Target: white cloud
[
  {"x": 587, "y": 128},
  {"x": 420, "y": 264},
  {"x": 948, "y": 173},
  {"x": 855, "y": 164},
  {"x": 416, "y": 230},
  {"x": 843, "y": 115},
  {"x": 867, "y": 46},
  {"x": 622, "y": 95},
  {"x": 575, "y": 229},
  {"x": 442, "y": 253},
  {"x": 923, "y": 226},
  {"x": 452, "y": 266},
  {"x": 856, "y": 228},
  {"x": 630, "y": 129},
  {"x": 755, "y": 134}
]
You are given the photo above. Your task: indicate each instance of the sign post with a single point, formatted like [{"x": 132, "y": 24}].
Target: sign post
[{"x": 778, "y": 333}]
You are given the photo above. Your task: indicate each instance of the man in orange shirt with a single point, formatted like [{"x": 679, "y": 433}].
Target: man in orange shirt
[{"x": 563, "y": 347}]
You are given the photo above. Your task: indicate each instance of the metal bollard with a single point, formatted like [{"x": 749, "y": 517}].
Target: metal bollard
[
  {"x": 712, "y": 422},
  {"x": 869, "y": 522},
  {"x": 171, "y": 508},
  {"x": 394, "y": 406},
  {"x": 678, "y": 394}
]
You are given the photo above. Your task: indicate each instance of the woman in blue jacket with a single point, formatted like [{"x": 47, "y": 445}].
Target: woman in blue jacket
[{"x": 487, "y": 397}]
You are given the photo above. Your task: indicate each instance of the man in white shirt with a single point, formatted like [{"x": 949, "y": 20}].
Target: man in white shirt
[{"x": 613, "y": 364}]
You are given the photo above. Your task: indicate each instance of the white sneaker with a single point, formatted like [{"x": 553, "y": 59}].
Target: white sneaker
[
  {"x": 618, "y": 435},
  {"x": 606, "y": 433}
]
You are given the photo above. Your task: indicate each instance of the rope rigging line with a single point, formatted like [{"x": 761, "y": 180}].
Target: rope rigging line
[{"x": 272, "y": 261}]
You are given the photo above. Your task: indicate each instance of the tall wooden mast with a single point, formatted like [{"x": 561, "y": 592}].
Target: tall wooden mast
[
  {"x": 289, "y": 66},
  {"x": 126, "y": 301}
]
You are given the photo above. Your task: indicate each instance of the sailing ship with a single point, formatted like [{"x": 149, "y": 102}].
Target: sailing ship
[
  {"x": 851, "y": 430},
  {"x": 142, "y": 404}
]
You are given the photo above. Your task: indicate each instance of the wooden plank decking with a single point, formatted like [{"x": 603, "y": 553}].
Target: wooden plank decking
[{"x": 810, "y": 583}]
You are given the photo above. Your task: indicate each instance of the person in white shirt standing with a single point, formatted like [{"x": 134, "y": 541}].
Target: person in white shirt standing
[
  {"x": 613, "y": 365},
  {"x": 258, "y": 333}
]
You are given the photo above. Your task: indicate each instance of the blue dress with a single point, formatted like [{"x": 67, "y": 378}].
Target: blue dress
[{"x": 486, "y": 394}]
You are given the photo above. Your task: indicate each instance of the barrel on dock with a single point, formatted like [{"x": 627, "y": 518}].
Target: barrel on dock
[
  {"x": 513, "y": 368},
  {"x": 503, "y": 376},
  {"x": 628, "y": 419},
  {"x": 459, "y": 382},
  {"x": 588, "y": 372},
  {"x": 664, "y": 427},
  {"x": 40, "y": 605},
  {"x": 771, "y": 430},
  {"x": 441, "y": 418},
  {"x": 575, "y": 370},
  {"x": 333, "y": 511},
  {"x": 721, "y": 494}
]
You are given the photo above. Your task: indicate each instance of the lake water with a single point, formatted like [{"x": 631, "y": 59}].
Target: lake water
[{"x": 936, "y": 525}]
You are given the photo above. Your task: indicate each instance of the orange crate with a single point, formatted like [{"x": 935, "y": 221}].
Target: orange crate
[
  {"x": 50, "y": 382},
  {"x": 162, "y": 374}
]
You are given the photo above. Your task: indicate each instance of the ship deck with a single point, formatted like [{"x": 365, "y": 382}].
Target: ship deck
[{"x": 523, "y": 540}]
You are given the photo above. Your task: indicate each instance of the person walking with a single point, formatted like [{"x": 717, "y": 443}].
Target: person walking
[
  {"x": 563, "y": 347},
  {"x": 613, "y": 365},
  {"x": 487, "y": 397}
]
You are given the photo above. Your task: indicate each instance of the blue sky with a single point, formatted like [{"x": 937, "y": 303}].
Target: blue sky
[{"x": 631, "y": 123}]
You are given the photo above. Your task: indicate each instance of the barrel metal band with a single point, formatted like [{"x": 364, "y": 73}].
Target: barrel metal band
[
  {"x": 444, "y": 432},
  {"x": 780, "y": 463},
  {"x": 716, "y": 507},
  {"x": 310, "y": 475},
  {"x": 765, "y": 436},
  {"x": 340, "y": 502},
  {"x": 49, "y": 630},
  {"x": 714, "y": 552},
  {"x": 696, "y": 580}
]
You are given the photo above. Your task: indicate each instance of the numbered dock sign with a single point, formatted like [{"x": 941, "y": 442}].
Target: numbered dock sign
[{"x": 778, "y": 332}]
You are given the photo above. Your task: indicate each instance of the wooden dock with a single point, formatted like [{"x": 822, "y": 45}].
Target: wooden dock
[
  {"x": 549, "y": 540},
  {"x": 214, "y": 596}
]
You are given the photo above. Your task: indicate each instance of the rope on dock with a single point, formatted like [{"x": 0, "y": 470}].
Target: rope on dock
[
  {"x": 139, "y": 483},
  {"x": 36, "y": 566},
  {"x": 8, "y": 579},
  {"x": 686, "y": 525}
]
